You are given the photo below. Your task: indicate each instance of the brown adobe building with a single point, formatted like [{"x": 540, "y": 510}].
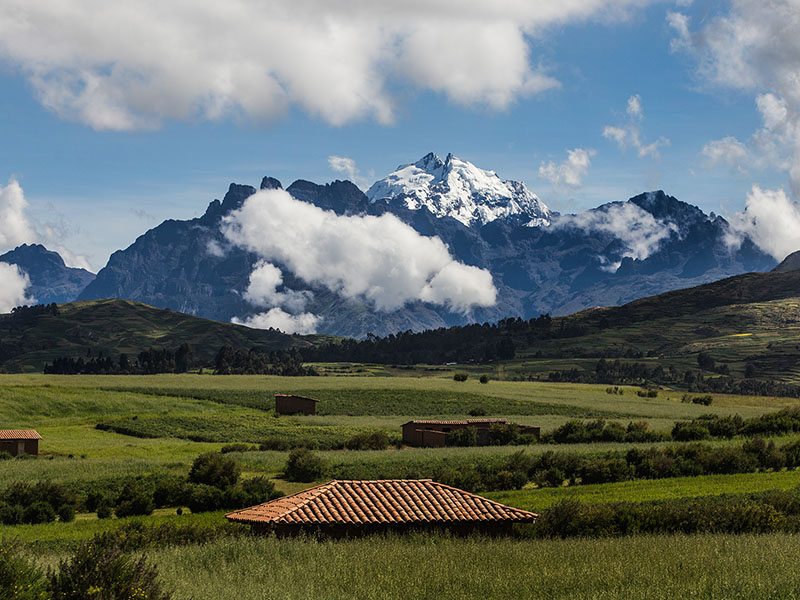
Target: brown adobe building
[
  {"x": 289, "y": 404},
  {"x": 19, "y": 441},
  {"x": 350, "y": 508},
  {"x": 434, "y": 433}
]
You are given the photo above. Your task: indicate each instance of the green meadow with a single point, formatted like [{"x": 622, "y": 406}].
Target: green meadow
[{"x": 159, "y": 424}]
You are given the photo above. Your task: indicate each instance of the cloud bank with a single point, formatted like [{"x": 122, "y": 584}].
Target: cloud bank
[
  {"x": 277, "y": 318},
  {"x": 571, "y": 172},
  {"x": 630, "y": 134},
  {"x": 124, "y": 66},
  {"x": 771, "y": 220},
  {"x": 639, "y": 230},
  {"x": 13, "y": 286},
  {"x": 378, "y": 258},
  {"x": 347, "y": 166}
]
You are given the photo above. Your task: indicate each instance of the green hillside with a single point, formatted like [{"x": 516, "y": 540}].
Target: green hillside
[{"x": 121, "y": 326}]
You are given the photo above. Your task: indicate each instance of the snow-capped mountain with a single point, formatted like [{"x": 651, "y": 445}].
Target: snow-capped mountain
[{"x": 456, "y": 188}]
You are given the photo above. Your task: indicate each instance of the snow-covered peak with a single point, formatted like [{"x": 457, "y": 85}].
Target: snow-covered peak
[{"x": 457, "y": 188}]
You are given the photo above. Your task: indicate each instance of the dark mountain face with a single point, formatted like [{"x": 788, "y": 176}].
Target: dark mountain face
[
  {"x": 51, "y": 279},
  {"x": 190, "y": 267},
  {"x": 790, "y": 263}
]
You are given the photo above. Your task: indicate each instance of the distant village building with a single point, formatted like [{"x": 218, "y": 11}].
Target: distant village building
[
  {"x": 434, "y": 433},
  {"x": 19, "y": 441},
  {"x": 344, "y": 508},
  {"x": 289, "y": 404}
]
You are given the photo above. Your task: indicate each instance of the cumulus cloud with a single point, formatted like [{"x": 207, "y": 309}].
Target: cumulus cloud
[
  {"x": 639, "y": 230},
  {"x": 263, "y": 289},
  {"x": 17, "y": 228},
  {"x": 13, "y": 286},
  {"x": 337, "y": 60},
  {"x": 630, "y": 134},
  {"x": 727, "y": 151},
  {"x": 571, "y": 172},
  {"x": 378, "y": 258},
  {"x": 277, "y": 318},
  {"x": 755, "y": 48},
  {"x": 342, "y": 164},
  {"x": 771, "y": 220}
]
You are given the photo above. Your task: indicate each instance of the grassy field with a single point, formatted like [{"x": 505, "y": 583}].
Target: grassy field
[
  {"x": 180, "y": 410},
  {"x": 434, "y": 567}
]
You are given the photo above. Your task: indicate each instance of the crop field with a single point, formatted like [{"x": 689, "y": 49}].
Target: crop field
[{"x": 157, "y": 425}]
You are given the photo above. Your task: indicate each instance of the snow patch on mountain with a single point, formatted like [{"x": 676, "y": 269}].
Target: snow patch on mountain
[{"x": 456, "y": 188}]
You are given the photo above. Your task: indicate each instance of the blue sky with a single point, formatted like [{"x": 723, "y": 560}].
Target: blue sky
[{"x": 93, "y": 185}]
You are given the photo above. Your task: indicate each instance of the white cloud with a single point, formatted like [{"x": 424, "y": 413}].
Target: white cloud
[
  {"x": 13, "y": 286},
  {"x": 680, "y": 23},
  {"x": 771, "y": 220},
  {"x": 755, "y": 48},
  {"x": 263, "y": 289},
  {"x": 630, "y": 135},
  {"x": 125, "y": 66},
  {"x": 379, "y": 258},
  {"x": 15, "y": 228},
  {"x": 638, "y": 229},
  {"x": 571, "y": 172},
  {"x": 342, "y": 164},
  {"x": 276, "y": 318},
  {"x": 727, "y": 151}
]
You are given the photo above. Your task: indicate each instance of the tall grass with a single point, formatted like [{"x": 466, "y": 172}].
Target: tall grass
[{"x": 435, "y": 567}]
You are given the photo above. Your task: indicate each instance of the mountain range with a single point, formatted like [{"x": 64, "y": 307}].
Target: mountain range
[{"x": 540, "y": 261}]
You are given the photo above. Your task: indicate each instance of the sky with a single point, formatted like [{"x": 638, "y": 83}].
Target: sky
[{"x": 117, "y": 116}]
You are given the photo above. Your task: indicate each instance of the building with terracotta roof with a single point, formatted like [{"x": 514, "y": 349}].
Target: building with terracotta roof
[
  {"x": 19, "y": 441},
  {"x": 289, "y": 404},
  {"x": 342, "y": 508},
  {"x": 434, "y": 433}
]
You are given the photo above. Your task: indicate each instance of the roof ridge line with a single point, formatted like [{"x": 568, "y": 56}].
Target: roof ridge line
[{"x": 483, "y": 498}]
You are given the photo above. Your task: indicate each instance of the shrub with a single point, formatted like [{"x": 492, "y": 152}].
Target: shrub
[
  {"x": 10, "y": 514},
  {"x": 460, "y": 377},
  {"x": 105, "y": 573},
  {"x": 169, "y": 491},
  {"x": 484, "y": 378},
  {"x": 478, "y": 411},
  {"x": 19, "y": 579},
  {"x": 251, "y": 492},
  {"x": 66, "y": 513},
  {"x": 704, "y": 400},
  {"x": 686, "y": 431},
  {"x": 104, "y": 512},
  {"x": 303, "y": 465},
  {"x": 274, "y": 443},
  {"x": 135, "y": 498},
  {"x": 468, "y": 436},
  {"x": 377, "y": 440},
  {"x": 5, "y": 455},
  {"x": 501, "y": 434},
  {"x": 38, "y": 512},
  {"x": 215, "y": 469},
  {"x": 203, "y": 498}
]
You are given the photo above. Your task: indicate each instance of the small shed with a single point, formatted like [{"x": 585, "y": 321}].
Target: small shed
[
  {"x": 19, "y": 441},
  {"x": 434, "y": 433},
  {"x": 348, "y": 507},
  {"x": 289, "y": 404}
]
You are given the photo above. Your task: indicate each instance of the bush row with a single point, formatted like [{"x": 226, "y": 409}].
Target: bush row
[
  {"x": 744, "y": 513},
  {"x": 581, "y": 432},
  {"x": 717, "y": 426}
]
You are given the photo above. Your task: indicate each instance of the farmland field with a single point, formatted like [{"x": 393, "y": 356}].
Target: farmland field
[{"x": 157, "y": 425}]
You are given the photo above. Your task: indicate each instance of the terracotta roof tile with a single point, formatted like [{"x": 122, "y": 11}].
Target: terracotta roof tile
[
  {"x": 19, "y": 434},
  {"x": 382, "y": 501},
  {"x": 457, "y": 422}
]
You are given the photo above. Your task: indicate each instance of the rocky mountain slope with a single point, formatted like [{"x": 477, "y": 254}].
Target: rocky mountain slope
[
  {"x": 559, "y": 264},
  {"x": 51, "y": 280}
]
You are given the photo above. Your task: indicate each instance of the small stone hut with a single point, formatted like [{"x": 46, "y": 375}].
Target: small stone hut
[
  {"x": 347, "y": 508},
  {"x": 19, "y": 441},
  {"x": 434, "y": 433},
  {"x": 289, "y": 404}
]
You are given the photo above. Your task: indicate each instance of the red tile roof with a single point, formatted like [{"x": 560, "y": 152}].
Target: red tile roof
[
  {"x": 295, "y": 396},
  {"x": 395, "y": 501},
  {"x": 19, "y": 434},
  {"x": 457, "y": 422}
]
